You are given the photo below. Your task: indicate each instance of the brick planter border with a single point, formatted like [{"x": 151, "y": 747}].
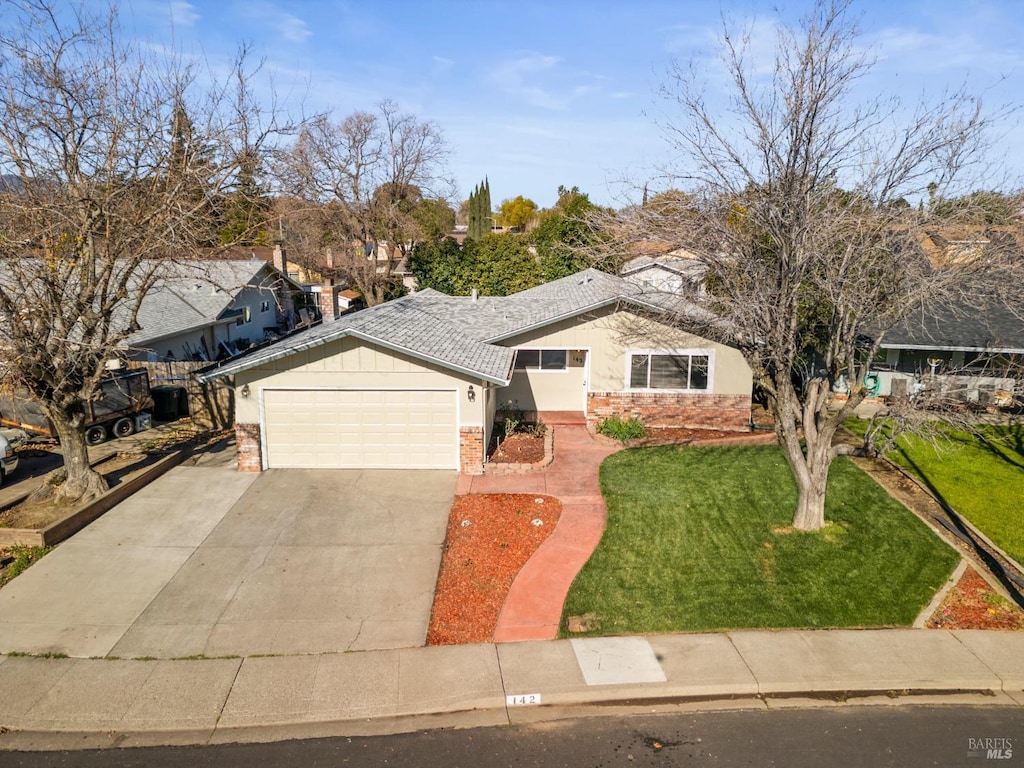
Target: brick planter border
[{"x": 501, "y": 468}]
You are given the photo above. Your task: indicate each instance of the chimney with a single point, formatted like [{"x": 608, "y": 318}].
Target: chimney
[
  {"x": 280, "y": 257},
  {"x": 474, "y": 294},
  {"x": 329, "y": 300}
]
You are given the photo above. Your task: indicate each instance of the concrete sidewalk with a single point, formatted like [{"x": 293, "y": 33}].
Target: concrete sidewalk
[{"x": 61, "y": 702}]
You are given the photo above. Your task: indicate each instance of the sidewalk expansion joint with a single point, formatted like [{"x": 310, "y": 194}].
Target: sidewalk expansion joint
[
  {"x": 504, "y": 690},
  {"x": 227, "y": 697}
]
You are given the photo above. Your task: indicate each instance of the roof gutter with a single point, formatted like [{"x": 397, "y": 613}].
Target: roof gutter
[{"x": 946, "y": 348}]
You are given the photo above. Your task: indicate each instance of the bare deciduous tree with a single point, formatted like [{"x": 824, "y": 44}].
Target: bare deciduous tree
[
  {"x": 352, "y": 184},
  {"x": 112, "y": 158},
  {"x": 797, "y": 209}
]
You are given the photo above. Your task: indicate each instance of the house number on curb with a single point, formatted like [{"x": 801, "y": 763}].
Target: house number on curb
[{"x": 522, "y": 699}]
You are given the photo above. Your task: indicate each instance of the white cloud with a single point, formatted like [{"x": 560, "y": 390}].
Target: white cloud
[
  {"x": 279, "y": 22},
  {"x": 183, "y": 13},
  {"x": 442, "y": 66},
  {"x": 544, "y": 81},
  {"x": 517, "y": 77},
  {"x": 929, "y": 53}
]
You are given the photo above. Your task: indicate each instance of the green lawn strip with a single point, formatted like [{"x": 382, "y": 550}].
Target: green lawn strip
[
  {"x": 698, "y": 540},
  {"x": 981, "y": 478}
]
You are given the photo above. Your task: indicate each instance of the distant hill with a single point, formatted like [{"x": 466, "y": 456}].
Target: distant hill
[{"x": 10, "y": 181}]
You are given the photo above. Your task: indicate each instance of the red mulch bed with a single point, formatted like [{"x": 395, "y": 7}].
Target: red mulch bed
[
  {"x": 482, "y": 559},
  {"x": 519, "y": 448},
  {"x": 973, "y": 604}
]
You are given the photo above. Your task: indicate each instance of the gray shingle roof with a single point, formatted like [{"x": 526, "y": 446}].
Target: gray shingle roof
[
  {"x": 198, "y": 295},
  {"x": 457, "y": 331},
  {"x": 983, "y": 324}
]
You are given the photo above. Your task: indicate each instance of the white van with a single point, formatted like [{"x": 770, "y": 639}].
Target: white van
[{"x": 8, "y": 459}]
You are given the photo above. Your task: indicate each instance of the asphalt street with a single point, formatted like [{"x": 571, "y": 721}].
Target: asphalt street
[{"x": 906, "y": 736}]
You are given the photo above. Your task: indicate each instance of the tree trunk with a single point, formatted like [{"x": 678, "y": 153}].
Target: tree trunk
[
  {"x": 810, "y": 459},
  {"x": 83, "y": 482}
]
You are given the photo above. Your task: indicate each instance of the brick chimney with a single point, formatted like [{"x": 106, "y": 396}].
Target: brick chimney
[
  {"x": 280, "y": 258},
  {"x": 329, "y": 300}
]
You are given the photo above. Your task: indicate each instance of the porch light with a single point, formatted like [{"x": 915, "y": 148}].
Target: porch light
[
  {"x": 244, "y": 391},
  {"x": 471, "y": 393}
]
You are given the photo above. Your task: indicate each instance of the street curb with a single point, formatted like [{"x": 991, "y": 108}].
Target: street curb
[{"x": 13, "y": 739}]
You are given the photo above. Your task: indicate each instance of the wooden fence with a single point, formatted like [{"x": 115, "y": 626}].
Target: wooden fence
[{"x": 211, "y": 405}]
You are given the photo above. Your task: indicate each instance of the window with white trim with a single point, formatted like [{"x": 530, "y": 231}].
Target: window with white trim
[
  {"x": 676, "y": 370},
  {"x": 265, "y": 306},
  {"x": 541, "y": 359}
]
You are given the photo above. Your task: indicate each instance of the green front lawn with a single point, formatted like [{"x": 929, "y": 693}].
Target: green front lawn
[
  {"x": 982, "y": 479},
  {"x": 698, "y": 539}
]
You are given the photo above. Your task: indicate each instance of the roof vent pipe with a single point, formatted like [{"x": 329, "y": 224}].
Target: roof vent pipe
[{"x": 474, "y": 294}]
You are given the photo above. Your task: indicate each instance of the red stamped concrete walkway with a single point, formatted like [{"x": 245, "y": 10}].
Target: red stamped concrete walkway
[{"x": 533, "y": 607}]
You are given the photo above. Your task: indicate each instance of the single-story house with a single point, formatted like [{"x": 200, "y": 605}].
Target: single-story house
[
  {"x": 970, "y": 346},
  {"x": 416, "y": 382},
  {"x": 212, "y": 309}
]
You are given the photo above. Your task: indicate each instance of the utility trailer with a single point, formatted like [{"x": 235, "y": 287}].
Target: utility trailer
[{"x": 119, "y": 410}]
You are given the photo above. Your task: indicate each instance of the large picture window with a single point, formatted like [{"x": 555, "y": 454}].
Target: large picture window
[
  {"x": 540, "y": 360},
  {"x": 669, "y": 371}
]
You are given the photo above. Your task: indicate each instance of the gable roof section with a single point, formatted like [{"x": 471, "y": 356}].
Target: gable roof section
[
  {"x": 458, "y": 332},
  {"x": 686, "y": 267},
  {"x": 198, "y": 297},
  {"x": 400, "y": 326}
]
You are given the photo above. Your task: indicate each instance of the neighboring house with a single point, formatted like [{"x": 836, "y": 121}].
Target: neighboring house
[
  {"x": 213, "y": 310},
  {"x": 416, "y": 382},
  {"x": 969, "y": 347},
  {"x": 347, "y": 299},
  {"x": 953, "y": 246},
  {"x": 677, "y": 273}
]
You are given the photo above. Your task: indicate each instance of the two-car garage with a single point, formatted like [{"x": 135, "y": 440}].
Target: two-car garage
[{"x": 360, "y": 428}]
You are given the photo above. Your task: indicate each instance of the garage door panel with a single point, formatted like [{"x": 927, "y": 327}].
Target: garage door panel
[{"x": 413, "y": 429}]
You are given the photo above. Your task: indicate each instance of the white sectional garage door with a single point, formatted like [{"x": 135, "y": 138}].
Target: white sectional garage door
[{"x": 360, "y": 428}]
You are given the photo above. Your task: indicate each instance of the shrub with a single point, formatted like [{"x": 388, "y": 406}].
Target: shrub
[
  {"x": 511, "y": 415},
  {"x": 619, "y": 429}
]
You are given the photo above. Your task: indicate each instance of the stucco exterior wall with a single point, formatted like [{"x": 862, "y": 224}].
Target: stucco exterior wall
[
  {"x": 351, "y": 363},
  {"x": 555, "y": 390},
  {"x": 607, "y": 335}
]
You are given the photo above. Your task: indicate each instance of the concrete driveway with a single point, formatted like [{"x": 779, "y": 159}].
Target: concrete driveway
[{"x": 209, "y": 561}]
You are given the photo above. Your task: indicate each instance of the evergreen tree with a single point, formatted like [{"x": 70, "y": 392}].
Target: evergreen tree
[
  {"x": 246, "y": 209},
  {"x": 480, "y": 215},
  {"x": 487, "y": 211}
]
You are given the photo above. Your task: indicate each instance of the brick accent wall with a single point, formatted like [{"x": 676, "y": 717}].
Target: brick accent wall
[
  {"x": 672, "y": 409},
  {"x": 471, "y": 450},
  {"x": 247, "y": 444}
]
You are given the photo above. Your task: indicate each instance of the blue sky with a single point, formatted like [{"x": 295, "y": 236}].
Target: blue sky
[{"x": 537, "y": 94}]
